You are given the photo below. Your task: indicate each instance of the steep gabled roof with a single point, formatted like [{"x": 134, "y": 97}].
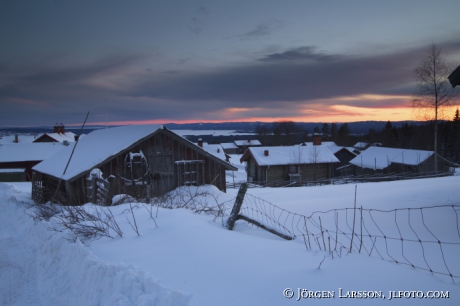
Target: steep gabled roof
[
  {"x": 93, "y": 149},
  {"x": 58, "y": 137},
  {"x": 101, "y": 145},
  {"x": 335, "y": 149},
  {"x": 290, "y": 155}
]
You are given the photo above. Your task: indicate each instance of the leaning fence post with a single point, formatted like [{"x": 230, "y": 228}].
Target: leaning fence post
[
  {"x": 322, "y": 232},
  {"x": 237, "y": 206},
  {"x": 361, "y": 244}
]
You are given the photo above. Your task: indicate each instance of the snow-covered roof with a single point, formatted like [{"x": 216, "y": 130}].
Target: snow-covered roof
[
  {"x": 60, "y": 137},
  {"x": 323, "y": 143},
  {"x": 93, "y": 149},
  {"x": 290, "y": 155},
  {"x": 247, "y": 142},
  {"x": 381, "y": 157},
  {"x": 12, "y": 170},
  {"x": 9, "y": 139},
  {"x": 214, "y": 149},
  {"x": 361, "y": 145},
  {"x": 229, "y": 145},
  {"x": 19, "y": 152}
]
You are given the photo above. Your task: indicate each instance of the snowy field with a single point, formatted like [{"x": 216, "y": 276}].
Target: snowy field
[{"x": 180, "y": 257}]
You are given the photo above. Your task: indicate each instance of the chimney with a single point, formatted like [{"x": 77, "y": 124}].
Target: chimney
[
  {"x": 265, "y": 152},
  {"x": 218, "y": 150},
  {"x": 316, "y": 139},
  {"x": 56, "y": 129},
  {"x": 62, "y": 129},
  {"x": 249, "y": 140},
  {"x": 76, "y": 137},
  {"x": 200, "y": 142},
  {"x": 16, "y": 138}
]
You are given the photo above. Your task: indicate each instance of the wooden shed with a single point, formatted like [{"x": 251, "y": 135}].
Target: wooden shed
[
  {"x": 395, "y": 160},
  {"x": 272, "y": 165},
  {"x": 138, "y": 159}
]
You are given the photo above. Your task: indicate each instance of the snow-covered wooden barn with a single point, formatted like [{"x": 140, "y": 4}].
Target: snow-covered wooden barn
[
  {"x": 135, "y": 158},
  {"x": 294, "y": 163},
  {"x": 394, "y": 160}
]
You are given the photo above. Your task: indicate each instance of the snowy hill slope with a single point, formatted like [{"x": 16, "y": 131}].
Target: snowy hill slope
[
  {"x": 41, "y": 267},
  {"x": 195, "y": 253}
]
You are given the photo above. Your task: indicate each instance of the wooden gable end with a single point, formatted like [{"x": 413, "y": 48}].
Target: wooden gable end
[
  {"x": 170, "y": 161},
  {"x": 45, "y": 138}
]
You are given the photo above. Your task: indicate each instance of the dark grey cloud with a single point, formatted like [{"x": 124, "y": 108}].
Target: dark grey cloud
[
  {"x": 197, "y": 22},
  {"x": 196, "y": 25},
  {"x": 301, "y": 54},
  {"x": 47, "y": 80},
  {"x": 274, "y": 85},
  {"x": 32, "y": 94},
  {"x": 275, "y": 79},
  {"x": 262, "y": 29}
]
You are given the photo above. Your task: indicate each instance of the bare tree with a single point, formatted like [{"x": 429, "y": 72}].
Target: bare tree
[
  {"x": 297, "y": 158},
  {"x": 433, "y": 89},
  {"x": 314, "y": 156},
  {"x": 285, "y": 132}
]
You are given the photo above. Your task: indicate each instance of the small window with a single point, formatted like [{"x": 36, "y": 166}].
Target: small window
[{"x": 292, "y": 169}]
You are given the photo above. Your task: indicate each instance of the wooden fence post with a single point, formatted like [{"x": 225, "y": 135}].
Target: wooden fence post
[
  {"x": 237, "y": 206},
  {"x": 354, "y": 218}
]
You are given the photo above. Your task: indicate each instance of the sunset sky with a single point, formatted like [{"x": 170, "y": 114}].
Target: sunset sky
[{"x": 213, "y": 61}]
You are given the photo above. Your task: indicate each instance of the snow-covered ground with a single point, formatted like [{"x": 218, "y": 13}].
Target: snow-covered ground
[
  {"x": 41, "y": 267},
  {"x": 197, "y": 256},
  {"x": 236, "y": 177}
]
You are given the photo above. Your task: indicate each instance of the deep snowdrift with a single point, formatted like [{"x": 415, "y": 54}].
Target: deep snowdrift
[
  {"x": 41, "y": 267},
  {"x": 195, "y": 253}
]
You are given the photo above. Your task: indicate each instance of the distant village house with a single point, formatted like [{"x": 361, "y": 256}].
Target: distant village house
[
  {"x": 243, "y": 145},
  {"x": 269, "y": 165},
  {"x": 394, "y": 160},
  {"x": 59, "y": 135}
]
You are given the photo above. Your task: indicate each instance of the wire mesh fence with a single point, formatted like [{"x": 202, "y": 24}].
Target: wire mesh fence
[
  {"x": 362, "y": 178},
  {"x": 425, "y": 238}
]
